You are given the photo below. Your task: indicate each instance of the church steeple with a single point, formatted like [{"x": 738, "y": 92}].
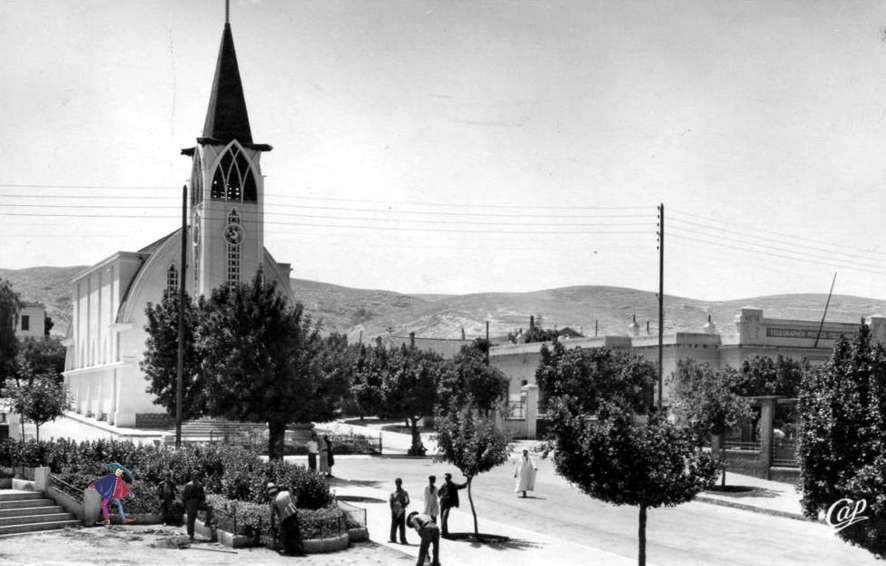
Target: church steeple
[{"x": 226, "y": 117}]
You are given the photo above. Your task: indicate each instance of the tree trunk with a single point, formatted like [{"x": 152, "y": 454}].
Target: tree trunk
[
  {"x": 641, "y": 533},
  {"x": 473, "y": 511},
  {"x": 276, "y": 440},
  {"x": 418, "y": 449},
  {"x": 37, "y": 430},
  {"x": 723, "y": 458}
]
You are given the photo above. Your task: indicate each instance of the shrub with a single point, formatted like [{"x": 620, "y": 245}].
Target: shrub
[{"x": 326, "y": 522}]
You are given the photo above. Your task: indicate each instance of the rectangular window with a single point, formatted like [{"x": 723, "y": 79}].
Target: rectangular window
[
  {"x": 26, "y": 322},
  {"x": 233, "y": 265}
]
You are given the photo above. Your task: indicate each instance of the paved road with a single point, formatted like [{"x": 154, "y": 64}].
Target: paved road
[{"x": 694, "y": 533}]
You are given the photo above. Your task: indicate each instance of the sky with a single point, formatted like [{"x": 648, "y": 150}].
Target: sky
[{"x": 458, "y": 147}]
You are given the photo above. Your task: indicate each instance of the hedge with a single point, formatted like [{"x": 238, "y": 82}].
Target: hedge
[
  {"x": 254, "y": 520},
  {"x": 233, "y": 472}
]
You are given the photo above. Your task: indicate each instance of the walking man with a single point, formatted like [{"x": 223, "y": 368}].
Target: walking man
[
  {"x": 429, "y": 532},
  {"x": 448, "y": 500},
  {"x": 284, "y": 520},
  {"x": 193, "y": 500},
  {"x": 524, "y": 473},
  {"x": 399, "y": 501}
]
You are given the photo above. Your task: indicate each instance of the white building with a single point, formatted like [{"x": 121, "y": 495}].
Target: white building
[
  {"x": 31, "y": 321},
  {"x": 225, "y": 245}
]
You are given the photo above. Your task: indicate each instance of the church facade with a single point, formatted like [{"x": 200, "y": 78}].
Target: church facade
[{"x": 225, "y": 246}]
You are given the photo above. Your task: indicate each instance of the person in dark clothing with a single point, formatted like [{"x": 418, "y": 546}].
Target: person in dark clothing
[
  {"x": 448, "y": 500},
  {"x": 169, "y": 507},
  {"x": 284, "y": 520},
  {"x": 399, "y": 501},
  {"x": 429, "y": 533},
  {"x": 194, "y": 500},
  {"x": 330, "y": 456}
]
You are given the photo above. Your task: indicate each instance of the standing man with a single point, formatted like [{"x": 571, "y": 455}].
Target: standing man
[
  {"x": 284, "y": 520},
  {"x": 524, "y": 473},
  {"x": 399, "y": 501},
  {"x": 313, "y": 449},
  {"x": 168, "y": 492},
  {"x": 448, "y": 500},
  {"x": 429, "y": 532},
  {"x": 193, "y": 500}
]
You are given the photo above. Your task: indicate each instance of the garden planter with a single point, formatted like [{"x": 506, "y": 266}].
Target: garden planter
[
  {"x": 321, "y": 545},
  {"x": 224, "y": 537},
  {"x": 358, "y": 534}
]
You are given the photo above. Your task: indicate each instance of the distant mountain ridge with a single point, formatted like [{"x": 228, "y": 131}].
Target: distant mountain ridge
[{"x": 373, "y": 312}]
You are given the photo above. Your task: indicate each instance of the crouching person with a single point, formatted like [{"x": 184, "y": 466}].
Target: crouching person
[
  {"x": 284, "y": 520},
  {"x": 429, "y": 533}
]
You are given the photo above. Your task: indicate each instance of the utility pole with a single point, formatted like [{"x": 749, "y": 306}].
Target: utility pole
[
  {"x": 661, "y": 242},
  {"x": 181, "y": 320}
]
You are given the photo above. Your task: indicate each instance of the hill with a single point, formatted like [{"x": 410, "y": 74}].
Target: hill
[{"x": 375, "y": 312}]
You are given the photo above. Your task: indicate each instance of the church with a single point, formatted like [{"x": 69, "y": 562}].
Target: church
[{"x": 225, "y": 246}]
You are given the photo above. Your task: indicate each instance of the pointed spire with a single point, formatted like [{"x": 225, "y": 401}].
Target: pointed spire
[{"x": 226, "y": 117}]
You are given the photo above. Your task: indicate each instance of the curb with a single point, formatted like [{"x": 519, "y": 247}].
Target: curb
[{"x": 753, "y": 508}]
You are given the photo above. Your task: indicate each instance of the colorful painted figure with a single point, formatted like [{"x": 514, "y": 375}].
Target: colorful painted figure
[{"x": 113, "y": 487}]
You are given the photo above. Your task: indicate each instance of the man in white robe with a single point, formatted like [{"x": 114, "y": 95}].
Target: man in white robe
[{"x": 524, "y": 472}]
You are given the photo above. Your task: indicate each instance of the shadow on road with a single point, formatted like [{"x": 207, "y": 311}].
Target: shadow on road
[{"x": 495, "y": 542}]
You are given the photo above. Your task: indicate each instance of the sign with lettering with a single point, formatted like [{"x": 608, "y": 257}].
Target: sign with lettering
[{"x": 802, "y": 333}]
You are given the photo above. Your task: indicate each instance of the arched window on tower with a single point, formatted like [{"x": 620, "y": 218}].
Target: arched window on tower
[
  {"x": 197, "y": 180},
  {"x": 233, "y": 179},
  {"x": 171, "y": 280}
]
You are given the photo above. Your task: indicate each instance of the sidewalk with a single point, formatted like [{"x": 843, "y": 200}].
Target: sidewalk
[
  {"x": 527, "y": 547},
  {"x": 769, "y": 497}
]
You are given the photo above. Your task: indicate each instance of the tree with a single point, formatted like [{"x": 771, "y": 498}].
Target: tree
[
  {"x": 160, "y": 362},
  {"x": 370, "y": 370},
  {"x": 843, "y": 437},
  {"x": 470, "y": 441},
  {"x": 39, "y": 398},
  {"x": 42, "y": 355},
  {"x": 472, "y": 378},
  {"x": 625, "y": 462},
  {"x": 262, "y": 360},
  {"x": 765, "y": 376},
  {"x": 10, "y": 305},
  {"x": 705, "y": 402},
  {"x": 409, "y": 388},
  {"x": 584, "y": 378}
]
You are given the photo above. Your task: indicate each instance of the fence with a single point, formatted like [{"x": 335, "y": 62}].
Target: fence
[{"x": 517, "y": 409}]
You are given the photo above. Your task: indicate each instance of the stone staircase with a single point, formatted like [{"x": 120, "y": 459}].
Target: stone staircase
[{"x": 29, "y": 511}]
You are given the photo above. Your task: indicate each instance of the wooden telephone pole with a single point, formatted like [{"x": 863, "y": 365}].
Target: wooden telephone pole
[{"x": 661, "y": 234}]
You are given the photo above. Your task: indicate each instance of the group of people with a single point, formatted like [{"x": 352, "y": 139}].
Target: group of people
[
  {"x": 320, "y": 451},
  {"x": 438, "y": 501}
]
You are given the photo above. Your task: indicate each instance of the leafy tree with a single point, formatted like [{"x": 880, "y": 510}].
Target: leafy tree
[
  {"x": 765, "y": 376},
  {"x": 705, "y": 402},
  {"x": 39, "y": 398},
  {"x": 370, "y": 370},
  {"x": 10, "y": 305},
  {"x": 625, "y": 462},
  {"x": 843, "y": 436},
  {"x": 471, "y": 377},
  {"x": 42, "y": 355},
  {"x": 584, "y": 378},
  {"x": 470, "y": 441},
  {"x": 262, "y": 360},
  {"x": 160, "y": 361},
  {"x": 409, "y": 388}
]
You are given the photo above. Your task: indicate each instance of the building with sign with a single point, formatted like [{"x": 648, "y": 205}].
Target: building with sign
[
  {"x": 753, "y": 335},
  {"x": 225, "y": 246}
]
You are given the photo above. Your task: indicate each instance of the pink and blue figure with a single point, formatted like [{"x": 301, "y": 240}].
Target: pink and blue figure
[{"x": 112, "y": 487}]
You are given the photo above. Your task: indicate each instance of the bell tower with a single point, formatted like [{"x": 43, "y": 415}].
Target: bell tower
[{"x": 226, "y": 185}]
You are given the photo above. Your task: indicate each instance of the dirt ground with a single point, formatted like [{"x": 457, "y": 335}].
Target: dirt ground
[{"x": 158, "y": 545}]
